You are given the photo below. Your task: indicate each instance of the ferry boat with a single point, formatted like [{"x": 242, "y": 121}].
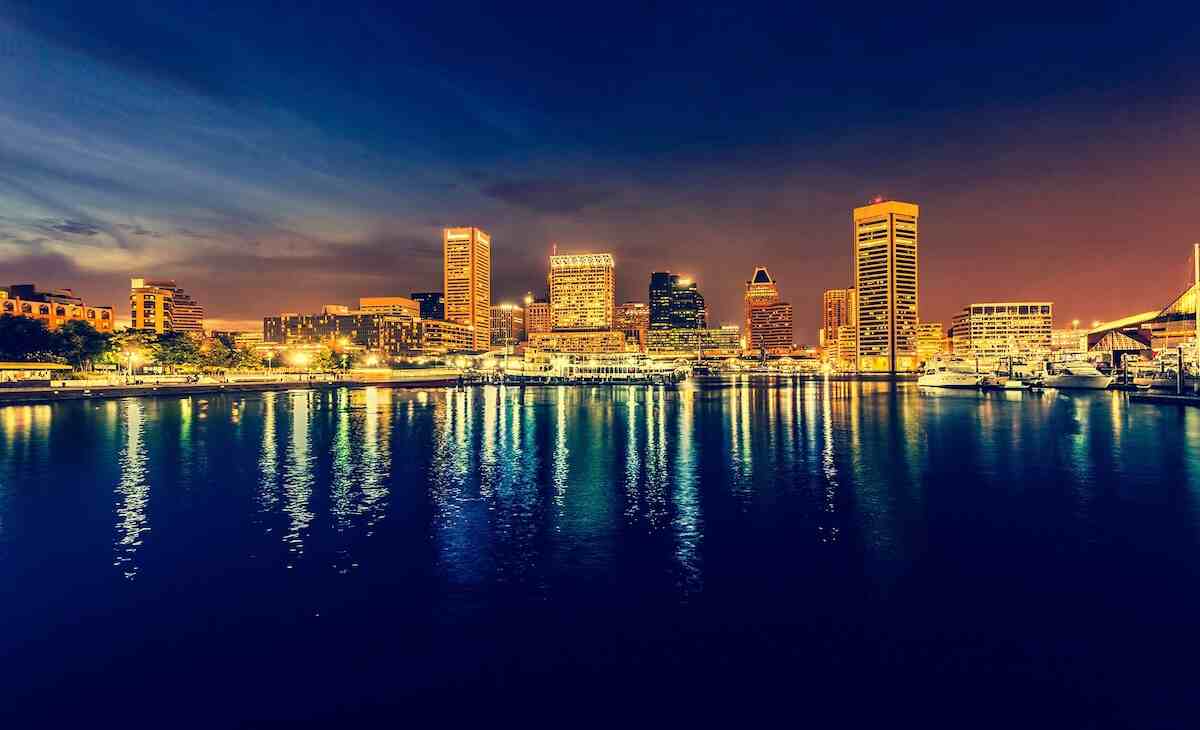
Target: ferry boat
[
  {"x": 950, "y": 375},
  {"x": 1075, "y": 375}
]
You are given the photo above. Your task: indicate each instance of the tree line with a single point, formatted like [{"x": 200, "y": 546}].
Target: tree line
[{"x": 77, "y": 343}]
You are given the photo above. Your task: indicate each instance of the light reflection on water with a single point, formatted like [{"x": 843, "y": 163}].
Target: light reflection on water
[{"x": 529, "y": 487}]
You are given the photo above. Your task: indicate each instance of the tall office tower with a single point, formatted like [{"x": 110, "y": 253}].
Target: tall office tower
[
  {"x": 633, "y": 318},
  {"x": 662, "y": 288},
  {"x": 432, "y": 304},
  {"x": 675, "y": 303},
  {"x": 537, "y": 316},
  {"x": 508, "y": 324},
  {"x": 581, "y": 291},
  {"x": 687, "y": 306},
  {"x": 160, "y": 305},
  {"x": 768, "y": 320},
  {"x": 885, "y": 277},
  {"x": 834, "y": 314},
  {"x": 467, "y": 281}
]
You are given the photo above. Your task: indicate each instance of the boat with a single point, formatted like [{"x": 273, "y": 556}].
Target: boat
[
  {"x": 950, "y": 375},
  {"x": 1075, "y": 375}
]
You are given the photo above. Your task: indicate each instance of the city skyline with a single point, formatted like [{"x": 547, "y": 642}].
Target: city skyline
[{"x": 1053, "y": 173}]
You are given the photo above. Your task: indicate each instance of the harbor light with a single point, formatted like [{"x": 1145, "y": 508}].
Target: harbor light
[{"x": 298, "y": 359}]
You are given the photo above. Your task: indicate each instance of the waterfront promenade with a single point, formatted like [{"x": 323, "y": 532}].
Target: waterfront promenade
[{"x": 78, "y": 390}]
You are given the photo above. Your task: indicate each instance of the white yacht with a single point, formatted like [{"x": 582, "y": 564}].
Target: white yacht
[
  {"x": 950, "y": 375},
  {"x": 1078, "y": 375}
]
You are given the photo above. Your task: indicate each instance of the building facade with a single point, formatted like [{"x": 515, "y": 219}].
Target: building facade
[
  {"x": 388, "y": 334},
  {"x": 768, "y": 323},
  {"x": 691, "y": 341},
  {"x": 431, "y": 304},
  {"x": 991, "y": 330},
  {"x": 403, "y": 306},
  {"x": 579, "y": 341},
  {"x": 508, "y": 324},
  {"x": 439, "y": 336},
  {"x": 161, "y": 305},
  {"x": 581, "y": 291},
  {"x": 1069, "y": 340},
  {"x": 771, "y": 329},
  {"x": 675, "y": 302},
  {"x": 467, "y": 281},
  {"x": 932, "y": 341},
  {"x": 537, "y": 316},
  {"x": 54, "y": 308},
  {"x": 633, "y": 319},
  {"x": 835, "y": 313},
  {"x": 885, "y": 280}
]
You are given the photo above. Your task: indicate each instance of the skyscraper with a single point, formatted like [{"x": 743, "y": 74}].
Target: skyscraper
[
  {"x": 662, "y": 287},
  {"x": 885, "y": 277},
  {"x": 675, "y": 302},
  {"x": 768, "y": 320},
  {"x": 835, "y": 313},
  {"x": 467, "y": 281},
  {"x": 160, "y": 305},
  {"x": 687, "y": 306},
  {"x": 581, "y": 291}
]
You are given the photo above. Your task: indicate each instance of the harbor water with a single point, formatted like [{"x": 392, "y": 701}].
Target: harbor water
[{"x": 842, "y": 551}]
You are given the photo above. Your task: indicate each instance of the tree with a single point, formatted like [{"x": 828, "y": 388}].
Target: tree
[
  {"x": 25, "y": 339},
  {"x": 80, "y": 344},
  {"x": 176, "y": 348}
]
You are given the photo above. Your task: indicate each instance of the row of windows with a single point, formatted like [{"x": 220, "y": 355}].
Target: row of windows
[{"x": 44, "y": 309}]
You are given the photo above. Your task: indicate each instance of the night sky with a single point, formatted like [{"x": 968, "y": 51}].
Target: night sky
[{"x": 278, "y": 156}]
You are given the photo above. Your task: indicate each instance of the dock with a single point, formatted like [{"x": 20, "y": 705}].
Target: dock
[{"x": 1165, "y": 399}]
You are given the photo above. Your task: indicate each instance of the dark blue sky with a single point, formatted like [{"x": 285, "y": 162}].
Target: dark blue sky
[{"x": 277, "y": 156}]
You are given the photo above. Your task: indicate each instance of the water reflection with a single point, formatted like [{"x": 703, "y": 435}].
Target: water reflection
[
  {"x": 298, "y": 472},
  {"x": 133, "y": 490}
]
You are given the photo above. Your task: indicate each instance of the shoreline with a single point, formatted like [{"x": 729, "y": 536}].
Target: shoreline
[{"x": 40, "y": 396}]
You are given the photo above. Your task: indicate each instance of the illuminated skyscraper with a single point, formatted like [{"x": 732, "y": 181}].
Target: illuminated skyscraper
[
  {"x": 885, "y": 277},
  {"x": 835, "y": 313},
  {"x": 768, "y": 320},
  {"x": 675, "y": 302},
  {"x": 581, "y": 291},
  {"x": 467, "y": 281}
]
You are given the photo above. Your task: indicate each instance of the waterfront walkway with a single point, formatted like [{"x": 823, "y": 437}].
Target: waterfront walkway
[{"x": 423, "y": 379}]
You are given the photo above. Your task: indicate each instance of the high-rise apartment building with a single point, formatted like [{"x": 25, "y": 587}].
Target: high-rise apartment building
[
  {"x": 633, "y": 319},
  {"x": 835, "y": 313},
  {"x": 581, "y": 291},
  {"x": 768, "y": 320},
  {"x": 467, "y": 281},
  {"x": 508, "y": 324},
  {"x": 885, "y": 280},
  {"x": 160, "y": 305},
  {"x": 432, "y": 304},
  {"x": 990, "y": 330}
]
